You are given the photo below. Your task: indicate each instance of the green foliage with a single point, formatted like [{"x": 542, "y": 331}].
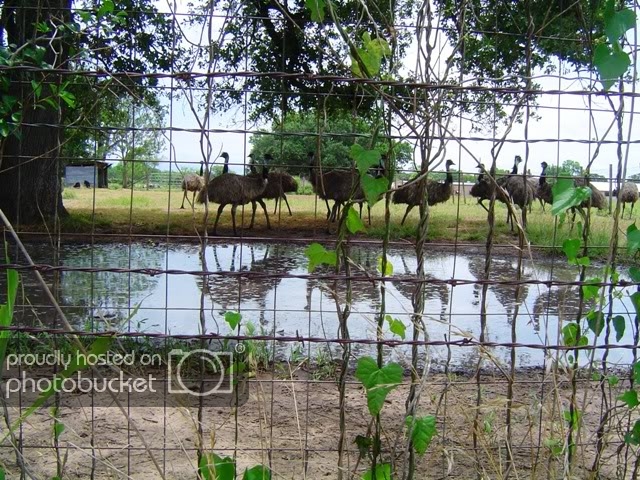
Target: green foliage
[
  {"x": 6, "y": 309},
  {"x": 388, "y": 266},
  {"x": 610, "y": 60},
  {"x": 396, "y": 326},
  {"x": 354, "y": 222},
  {"x": 369, "y": 56},
  {"x": 259, "y": 472},
  {"x": 619, "y": 325},
  {"x": 316, "y": 7},
  {"x": 382, "y": 472},
  {"x": 422, "y": 429},
  {"x": 566, "y": 195},
  {"x": 290, "y": 141},
  {"x": 233, "y": 319},
  {"x": 629, "y": 398},
  {"x": 318, "y": 255},
  {"x": 633, "y": 239},
  {"x": 378, "y": 382}
]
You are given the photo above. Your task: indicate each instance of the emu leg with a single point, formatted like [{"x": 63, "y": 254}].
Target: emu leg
[
  {"x": 334, "y": 212},
  {"x": 275, "y": 210},
  {"x": 264, "y": 207},
  {"x": 542, "y": 205},
  {"x": 328, "y": 209},
  {"x": 233, "y": 219},
  {"x": 360, "y": 210},
  {"x": 409, "y": 208},
  {"x": 369, "y": 213},
  {"x": 193, "y": 201},
  {"x": 183, "y": 199},
  {"x": 631, "y": 212},
  {"x": 287, "y": 202},
  {"x": 215, "y": 224},
  {"x": 253, "y": 213}
]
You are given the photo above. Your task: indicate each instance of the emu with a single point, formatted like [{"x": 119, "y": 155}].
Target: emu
[
  {"x": 437, "y": 192},
  {"x": 192, "y": 183},
  {"x": 231, "y": 189},
  {"x": 628, "y": 194},
  {"x": 336, "y": 185}
]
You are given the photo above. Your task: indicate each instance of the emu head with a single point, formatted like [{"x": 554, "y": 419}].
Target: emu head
[{"x": 448, "y": 164}]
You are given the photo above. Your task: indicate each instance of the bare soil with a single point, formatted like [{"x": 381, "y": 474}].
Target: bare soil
[{"x": 292, "y": 424}]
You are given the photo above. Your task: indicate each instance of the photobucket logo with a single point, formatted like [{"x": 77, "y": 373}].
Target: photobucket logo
[
  {"x": 79, "y": 384},
  {"x": 219, "y": 379}
]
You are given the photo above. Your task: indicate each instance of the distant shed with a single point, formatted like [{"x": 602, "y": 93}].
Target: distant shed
[{"x": 95, "y": 173}]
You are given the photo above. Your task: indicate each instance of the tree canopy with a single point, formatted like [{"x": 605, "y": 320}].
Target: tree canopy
[{"x": 290, "y": 141}]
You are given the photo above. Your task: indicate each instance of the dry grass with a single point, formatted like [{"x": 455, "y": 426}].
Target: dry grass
[{"x": 157, "y": 213}]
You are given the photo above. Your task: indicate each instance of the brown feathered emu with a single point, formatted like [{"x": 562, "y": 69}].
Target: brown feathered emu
[
  {"x": 544, "y": 193},
  {"x": 483, "y": 187},
  {"x": 337, "y": 185},
  {"x": 280, "y": 183},
  {"x": 192, "y": 183},
  {"x": 628, "y": 194},
  {"x": 231, "y": 189},
  {"x": 437, "y": 192},
  {"x": 520, "y": 190}
]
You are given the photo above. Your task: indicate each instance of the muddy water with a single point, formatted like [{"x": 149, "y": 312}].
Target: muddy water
[{"x": 170, "y": 303}]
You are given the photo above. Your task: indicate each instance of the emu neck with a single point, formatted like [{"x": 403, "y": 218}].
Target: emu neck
[
  {"x": 543, "y": 176},
  {"x": 449, "y": 180},
  {"x": 514, "y": 170}
]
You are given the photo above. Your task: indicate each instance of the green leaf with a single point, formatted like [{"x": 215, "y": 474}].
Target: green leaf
[
  {"x": 58, "y": 429},
  {"x": 370, "y": 54},
  {"x": 232, "y": 319},
  {"x": 633, "y": 238},
  {"x": 634, "y": 273},
  {"x": 388, "y": 268},
  {"x": 616, "y": 23},
  {"x": 613, "y": 380},
  {"x": 633, "y": 437},
  {"x": 595, "y": 320},
  {"x": 555, "y": 445},
  {"x": 582, "y": 261},
  {"x": 571, "y": 335},
  {"x": 382, "y": 472},
  {"x": 259, "y": 472},
  {"x": 636, "y": 372},
  {"x": 571, "y": 247},
  {"x": 377, "y": 381},
  {"x": 317, "y": 9},
  {"x": 611, "y": 64},
  {"x": 629, "y": 398},
  {"x": 590, "y": 288},
  {"x": 318, "y": 255},
  {"x": 2, "y": 474},
  {"x": 396, "y": 326},
  {"x": 572, "y": 419},
  {"x": 37, "y": 89},
  {"x": 106, "y": 8},
  {"x": 373, "y": 188},
  {"x": 635, "y": 300},
  {"x": 619, "y": 325},
  {"x": 354, "y": 222},
  {"x": 424, "y": 429},
  {"x": 365, "y": 159},
  {"x": 566, "y": 195},
  {"x": 364, "y": 444},
  {"x": 68, "y": 98}
]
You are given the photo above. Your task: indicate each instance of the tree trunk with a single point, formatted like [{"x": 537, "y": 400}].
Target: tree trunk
[{"x": 30, "y": 171}]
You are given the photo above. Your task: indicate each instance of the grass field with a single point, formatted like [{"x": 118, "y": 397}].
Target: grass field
[{"x": 158, "y": 212}]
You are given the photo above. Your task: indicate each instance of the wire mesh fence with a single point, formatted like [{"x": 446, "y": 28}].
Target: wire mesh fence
[{"x": 319, "y": 240}]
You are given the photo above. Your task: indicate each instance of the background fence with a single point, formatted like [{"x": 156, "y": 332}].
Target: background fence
[{"x": 145, "y": 340}]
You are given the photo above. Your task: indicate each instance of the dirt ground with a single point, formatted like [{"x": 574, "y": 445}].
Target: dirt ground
[{"x": 291, "y": 424}]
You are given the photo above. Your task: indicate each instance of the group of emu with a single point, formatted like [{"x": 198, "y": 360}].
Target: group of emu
[{"x": 342, "y": 186}]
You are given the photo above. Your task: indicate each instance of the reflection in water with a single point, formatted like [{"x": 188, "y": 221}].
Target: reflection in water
[{"x": 248, "y": 278}]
